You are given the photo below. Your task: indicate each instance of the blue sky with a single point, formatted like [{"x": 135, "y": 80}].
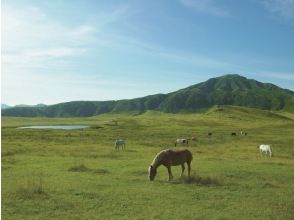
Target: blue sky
[{"x": 64, "y": 50}]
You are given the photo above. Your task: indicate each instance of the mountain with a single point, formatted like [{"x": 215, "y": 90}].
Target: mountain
[
  {"x": 24, "y": 105},
  {"x": 225, "y": 90},
  {"x": 4, "y": 106}
]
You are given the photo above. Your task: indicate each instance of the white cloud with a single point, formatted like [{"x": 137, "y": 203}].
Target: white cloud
[
  {"x": 30, "y": 39},
  {"x": 283, "y": 8},
  {"x": 37, "y": 47},
  {"x": 28, "y": 33},
  {"x": 206, "y": 6}
]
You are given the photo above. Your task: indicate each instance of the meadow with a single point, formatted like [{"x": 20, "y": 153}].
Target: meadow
[{"x": 77, "y": 174}]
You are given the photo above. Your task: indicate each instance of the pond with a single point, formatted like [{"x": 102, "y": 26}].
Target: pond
[{"x": 64, "y": 127}]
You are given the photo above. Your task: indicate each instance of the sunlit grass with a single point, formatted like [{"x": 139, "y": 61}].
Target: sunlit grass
[{"x": 77, "y": 174}]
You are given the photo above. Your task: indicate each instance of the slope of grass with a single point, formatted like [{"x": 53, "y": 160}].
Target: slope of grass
[{"x": 77, "y": 174}]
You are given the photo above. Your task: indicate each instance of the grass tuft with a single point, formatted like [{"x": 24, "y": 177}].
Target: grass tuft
[
  {"x": 31, "y": 188},
  {"x": 201, "y": 180},
  {"x": 269, "y": 185},
  {"x": 79, "y": 168},
  {"x": 100, "y": 171},
  {"x": 96, "y": 127}
]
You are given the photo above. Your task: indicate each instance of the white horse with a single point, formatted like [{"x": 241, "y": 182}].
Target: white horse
[
  {"x": 265, "y": 149},
  {"x": 119, "y": 143},
  {"x": 243, "y": 133},
  {"x": 182, "y": 141}
]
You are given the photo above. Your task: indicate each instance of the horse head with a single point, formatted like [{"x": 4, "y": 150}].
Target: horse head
[{"x": 152, "y": 173}]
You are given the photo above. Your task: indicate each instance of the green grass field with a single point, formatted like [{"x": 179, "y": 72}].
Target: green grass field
[{"x": 77, "y": 174}]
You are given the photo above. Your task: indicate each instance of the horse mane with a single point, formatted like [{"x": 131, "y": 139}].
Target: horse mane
[{"x": 158, "y": 158}]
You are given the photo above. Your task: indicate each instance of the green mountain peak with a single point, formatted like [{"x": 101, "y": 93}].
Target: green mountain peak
[{"x": 231, "y": 89}]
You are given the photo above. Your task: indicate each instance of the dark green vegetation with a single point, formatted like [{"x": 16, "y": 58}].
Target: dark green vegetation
[
  {"x": 3, "y": 106},
  {"x": 225, "y": 90},
  {"x": 77, "y": 174}
]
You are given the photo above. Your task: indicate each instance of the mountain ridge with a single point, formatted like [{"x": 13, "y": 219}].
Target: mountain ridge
[{"x": 231, "y": 89}]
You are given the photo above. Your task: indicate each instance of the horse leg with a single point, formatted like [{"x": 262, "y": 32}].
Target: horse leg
[
  {"x": 183, "y": 168},
  {"x": 170, "y": 175},
  {"x": 189, "y": 168}
]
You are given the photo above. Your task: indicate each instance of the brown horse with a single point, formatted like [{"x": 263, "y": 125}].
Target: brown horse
[{"x": 170, "y": 158}]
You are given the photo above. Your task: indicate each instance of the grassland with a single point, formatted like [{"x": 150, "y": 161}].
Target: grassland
[{"x": 77, "y": 174}]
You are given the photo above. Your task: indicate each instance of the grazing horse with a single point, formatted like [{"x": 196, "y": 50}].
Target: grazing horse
[
  {"x": 182, "y": 141},
  {"x": 194, "y": 138},
  {"x": 243, "y": 133},
  {"x": 119, "y": 143},
  {"x": 265, "y": 149},
  {"x": 170, "y": 158}
]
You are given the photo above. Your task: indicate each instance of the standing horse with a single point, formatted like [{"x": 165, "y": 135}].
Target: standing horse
[
  {"x": 265, "y": 149},
  {"x": 182, "y": 141},
  {"x": 119, "y": 143},
  {"x": 170, "y": 158}
]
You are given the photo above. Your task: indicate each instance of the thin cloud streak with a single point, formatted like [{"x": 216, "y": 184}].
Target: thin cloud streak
[
  {"x": 282, "y": 8},
  {"x": 278, "y": 75},
  {"x": 206, "y": 6},
  {"x": 29, "y": 35}
]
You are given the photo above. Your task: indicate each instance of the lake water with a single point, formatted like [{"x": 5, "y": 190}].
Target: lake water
[{"x": 64, "y": 127}]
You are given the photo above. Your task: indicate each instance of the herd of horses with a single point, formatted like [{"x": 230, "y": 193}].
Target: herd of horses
[{"x": 181, "y": 157}]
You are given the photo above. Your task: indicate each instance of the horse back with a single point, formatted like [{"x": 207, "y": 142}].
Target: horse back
[{"x": 180, "y": 157}]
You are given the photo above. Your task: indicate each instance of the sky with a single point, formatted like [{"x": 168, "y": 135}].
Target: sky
[{"x": 56, "y": 51}]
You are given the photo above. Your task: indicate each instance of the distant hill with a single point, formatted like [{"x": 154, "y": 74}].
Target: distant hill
[
  {"x": 4, "y": 106},
  {"x": 225, "y": 90},
  {"x": 24, "y": 105}
]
